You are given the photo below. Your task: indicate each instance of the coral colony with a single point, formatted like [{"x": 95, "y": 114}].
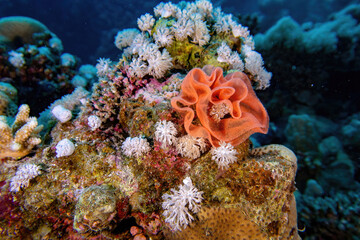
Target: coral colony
[{"x": 159, "y": 149}]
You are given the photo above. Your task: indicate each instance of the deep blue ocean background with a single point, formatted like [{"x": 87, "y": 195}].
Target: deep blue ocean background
[{"x": 313, "y": 101}]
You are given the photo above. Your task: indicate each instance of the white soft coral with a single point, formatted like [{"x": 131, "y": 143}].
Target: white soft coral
[
  {"x": 135, "y": 147},
  {"x": 177, "y": 206},
  {"x": 224, "y": 155},
  {"x": 103, "y": 67},
  {"x": 191, "y": 147},
  {"x": 165, "y": 133},
  {"x": 231, "y": 57}
]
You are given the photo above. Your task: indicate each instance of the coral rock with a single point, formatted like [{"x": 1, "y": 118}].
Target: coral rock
[{"x": 95, "y": 209}]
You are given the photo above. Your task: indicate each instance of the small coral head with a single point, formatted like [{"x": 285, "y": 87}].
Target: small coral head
[{"x": 226, "y": 107}]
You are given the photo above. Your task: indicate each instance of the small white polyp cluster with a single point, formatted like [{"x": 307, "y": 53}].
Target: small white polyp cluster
[
  {"x": 165, "y": 133},
  {"x": 62, "y": 114},
  {"x": 16, "y": 59},
  {"x": 191, "y": 147},
  {"x": 64, "y": 148},
  {"x": 135, "y": 147},
  {"x": 94, "y": 122},
  {"x": 224, "y": 155}
]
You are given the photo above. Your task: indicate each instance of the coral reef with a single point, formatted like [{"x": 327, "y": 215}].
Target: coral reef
[
  {"x": 124, "y": 163},
  {"x": 31, "y": 60},
  {"x": 184, "y": 36}
]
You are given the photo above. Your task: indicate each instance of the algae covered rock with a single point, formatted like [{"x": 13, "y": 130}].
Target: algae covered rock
[
  {"x": 253, "y": 199},
  {"x": 95, "y": 209}
]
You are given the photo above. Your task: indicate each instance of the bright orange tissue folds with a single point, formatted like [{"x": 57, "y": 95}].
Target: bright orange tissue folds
[{"x": 220, "y": 108}]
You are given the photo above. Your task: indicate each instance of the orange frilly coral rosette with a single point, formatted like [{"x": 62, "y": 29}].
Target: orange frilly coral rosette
[{"x": 226, "y": 107}]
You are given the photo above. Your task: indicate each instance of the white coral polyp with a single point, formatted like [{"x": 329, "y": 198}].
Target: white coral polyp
[
  {"x": 146, "y": 22},
  {"x": 125, "y": 37},
  {"x": 231, "y": 57},
  {"x": 191, "y": 147},
  {"x": 160, "y": 63},
  {"x": 178, "y": 205},
  {"x": 224, "y": 155},
  {"x": 16, "y": 59},
  {"x": 64, "y": 148},
  {"x": 62, "y": 114},
  {"x": 94, "y": 122},
  {"x": 166, "y": 10},
  {"x": 165, "y": 133},
  {"x": 163, "y": 36},
  {"x": 103, "y": 67},
  {"x": 135, "y": 147}
]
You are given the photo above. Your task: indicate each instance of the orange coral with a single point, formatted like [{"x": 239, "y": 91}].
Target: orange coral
[{"x": 227, "y": 107}]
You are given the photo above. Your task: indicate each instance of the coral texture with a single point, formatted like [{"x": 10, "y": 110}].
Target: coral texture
[
  {"x": 18, "y": 139},
  {"x": 95, "y": 209},
  {"x": 19, "y": 27},
  {"x": 8, "y": 97},
  {"x": 23, "y": 175},
  {"x": 220, "y": 223},
  {"x": 244, "y": 116}
]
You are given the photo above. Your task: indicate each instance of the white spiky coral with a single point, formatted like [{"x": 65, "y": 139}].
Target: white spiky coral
[
  {"x": 191, "y": 147},
  {"x": 183, "y": 28},
  {"x": 178, "y": 205},
  {"x": 163, "y": 36},
  {"x": 125, "y": 37},
  {"x": 23, "y": 175},
  {"x": 146, "y": 22},
  {"x": 20, "y": 138},
  {"x": 150, "y": 59},
  {"x": 103, "y": 67},
  {"x": 159, "y": 63},
  {"x": 201, "y": 34},
  {"x": 138, "y": 68},
  {"x": 254, "y": 65},
  {"x": 231, "y": 57},
  {"x": 135, "y": 147},
  {"x": 224, "y": 155},
  {"x": 165, "y": 10},
  {"x": 165, "y": 133}
]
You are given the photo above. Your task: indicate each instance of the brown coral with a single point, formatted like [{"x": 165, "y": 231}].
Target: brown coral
[
  {"x": 19, "y": 28},
  {"x": 8, "y": 97},
  {"x": 226, "y": 107},
  {"x": 18, "y": 140},
  {"x": 220, "y": 223}
]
